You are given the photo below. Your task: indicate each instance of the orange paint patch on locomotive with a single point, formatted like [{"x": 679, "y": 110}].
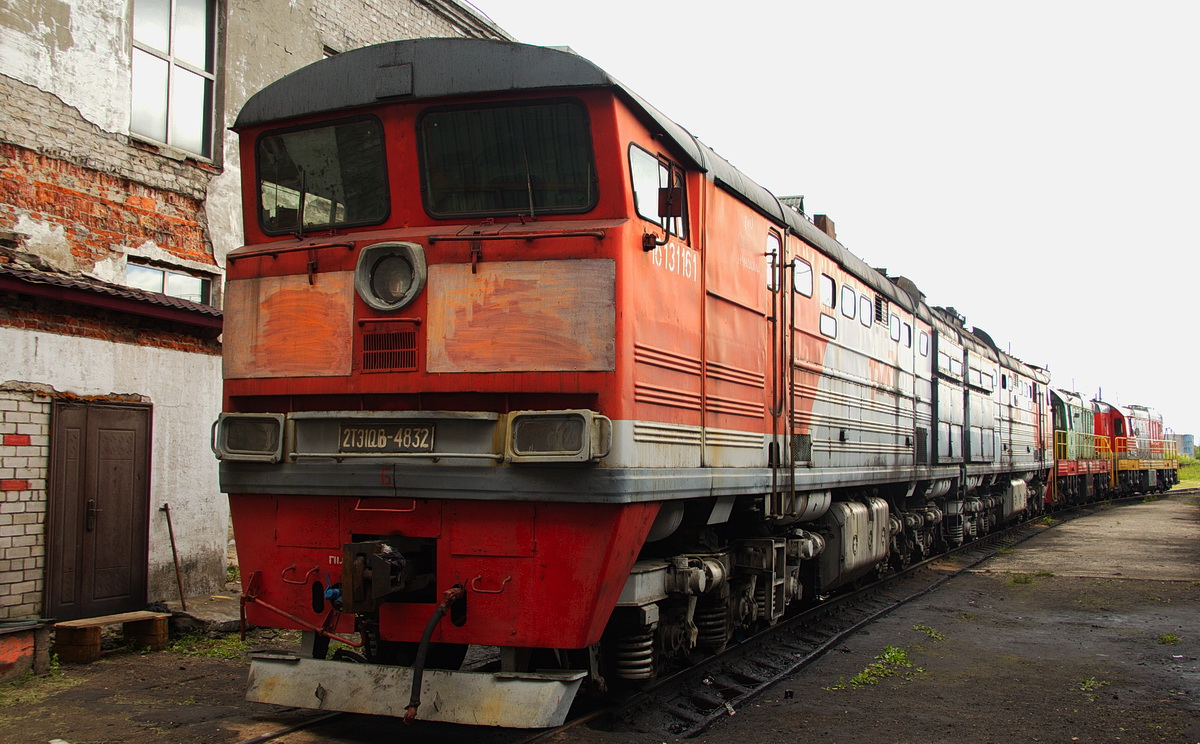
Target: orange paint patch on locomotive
[
  {"x": 522, "y": 316},
  {"x": 282, "y": 326}
]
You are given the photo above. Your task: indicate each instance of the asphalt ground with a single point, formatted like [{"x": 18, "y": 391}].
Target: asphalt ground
[{"x": 1086, "y": 632}]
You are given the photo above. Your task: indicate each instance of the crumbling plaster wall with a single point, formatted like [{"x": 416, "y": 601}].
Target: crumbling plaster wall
[
  {"x": 183, "y": 387},
  {"x": 77, "y": 49}
]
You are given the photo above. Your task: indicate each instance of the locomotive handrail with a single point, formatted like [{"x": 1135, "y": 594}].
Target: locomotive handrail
[
  {"x": 597, "y": 234},
  {"x": 406, "y": 455},
  {"x": 1079, "y": 445},
  {"x": 358, "y": 507},
  {"x": 1147, "y": 449},
  {"x": 293, "y": 567},
  {"x": 272, "y": 253}
]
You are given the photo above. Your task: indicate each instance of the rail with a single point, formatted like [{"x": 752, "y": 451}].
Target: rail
[
  {"x": 1144, "y": 448},
  {"x": 1078, "y": 445}
]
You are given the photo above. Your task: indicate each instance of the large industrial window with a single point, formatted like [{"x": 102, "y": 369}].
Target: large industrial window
[
  {"x": 172, "y": 283},
  {"x": 322, "y": 176},
  {"x": 174, "y": 73},
  {"x": 528, "y": 159}
]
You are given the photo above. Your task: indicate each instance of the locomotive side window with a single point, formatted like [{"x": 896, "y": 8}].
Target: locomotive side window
[
  {"x": 328, "y": 175},
  {"x": 772, "y": 262},
  {"x": 828, "y": 325},
  {"x": 802, "y": 276},
  {"x": 894, "y": 327},
  {"x": 527, "y": 159},
  {"x": 828, "y": 291},
  {"x": 658, "y": 191},
  {"x": 906, "y": 335},
  {"x": 866, "y": 310},
  {"x": 849, "y": 301},
  {"x": 923, "y": 344}
]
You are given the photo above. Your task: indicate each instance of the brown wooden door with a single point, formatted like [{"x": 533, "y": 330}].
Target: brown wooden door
[{"x": 99, "y": 509}]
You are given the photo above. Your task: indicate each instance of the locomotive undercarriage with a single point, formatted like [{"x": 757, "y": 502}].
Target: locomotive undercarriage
[
  {"x": 699, "y": 586},
  {"x": 700, "y": 599}
]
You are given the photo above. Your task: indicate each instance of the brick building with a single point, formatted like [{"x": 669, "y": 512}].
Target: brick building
[{"x": 119, "y": 200}]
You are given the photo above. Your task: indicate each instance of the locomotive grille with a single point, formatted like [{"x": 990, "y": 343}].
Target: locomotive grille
[
  {"x": 389, "y": 350},
  {"x": 922, "y": 449}
]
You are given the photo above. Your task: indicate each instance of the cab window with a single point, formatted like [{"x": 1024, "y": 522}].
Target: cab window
[
  {"x": 322, "y": 176},
  {"x": 658, "y": 191},
  {"x": 532, "y": 158}
]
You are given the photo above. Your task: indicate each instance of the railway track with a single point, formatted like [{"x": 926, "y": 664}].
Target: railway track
[{"x": 690, "y": 700}]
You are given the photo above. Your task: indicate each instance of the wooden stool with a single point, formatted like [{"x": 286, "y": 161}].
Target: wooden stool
[{"x": 78, "y": 641}]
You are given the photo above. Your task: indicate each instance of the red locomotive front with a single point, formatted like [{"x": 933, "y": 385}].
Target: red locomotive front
[{"x": 426, "y": 346}]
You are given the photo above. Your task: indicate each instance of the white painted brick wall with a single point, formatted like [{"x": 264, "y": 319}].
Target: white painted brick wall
[{"x": 23, "y": 503}]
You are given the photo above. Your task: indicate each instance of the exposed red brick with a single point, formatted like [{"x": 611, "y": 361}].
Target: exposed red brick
[
  {"x": 16, "y": 440},
  {"x": 22, "y": 312},
  {"x": 14, "y": 485},
  {"x": 99, "y": 212}
]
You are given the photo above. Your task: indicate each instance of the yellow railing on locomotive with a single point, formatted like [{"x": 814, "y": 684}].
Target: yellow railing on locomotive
[
  {"x": 1078, "y": 445},
  {"x": 1141, "y": 448}
]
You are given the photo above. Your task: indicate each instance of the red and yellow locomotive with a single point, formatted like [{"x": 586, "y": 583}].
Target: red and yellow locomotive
[{"x": 513, "y": 360}]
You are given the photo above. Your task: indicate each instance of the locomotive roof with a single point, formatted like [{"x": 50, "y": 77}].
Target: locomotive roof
[{"x": 441, "y": 67}]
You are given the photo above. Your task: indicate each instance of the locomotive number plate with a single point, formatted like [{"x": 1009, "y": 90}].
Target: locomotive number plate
[{"x": 386, "y": 438}]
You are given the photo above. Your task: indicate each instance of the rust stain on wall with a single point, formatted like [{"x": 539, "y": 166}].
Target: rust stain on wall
[
  {"x": 525, "y": 316},
  {"x": 285, "y": 327}
]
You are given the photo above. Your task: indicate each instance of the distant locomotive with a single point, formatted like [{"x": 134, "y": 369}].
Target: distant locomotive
[{"x": 508, "y": 346}]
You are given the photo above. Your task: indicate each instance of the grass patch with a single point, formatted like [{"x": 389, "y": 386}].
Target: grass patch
[
  {"x": 1189, "y": 472},
  {"x": 1006, "y": 551},
  {"x": 1168, "y": 639},
  {"x": 1048, "y": 521},
  {"x": 1091, "y": 684},
  {"x": 893, "y": 662},
  {"x": 221, "y": 647},
  {"x": 1043, "y": 574},
  {"x": 1020, "y": 578},
  {"x": 29, "y": 688},
  {"x": 933, "y": 634}
]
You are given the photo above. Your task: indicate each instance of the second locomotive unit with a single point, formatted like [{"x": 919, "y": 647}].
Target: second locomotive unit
[{"x": 513, "y": 360}]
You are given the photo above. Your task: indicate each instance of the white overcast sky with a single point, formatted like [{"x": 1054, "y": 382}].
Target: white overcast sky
[{"x": 1035, "y": 165}]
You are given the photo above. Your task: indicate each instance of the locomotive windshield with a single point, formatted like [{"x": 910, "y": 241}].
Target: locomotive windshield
[
  {"x": 324, "y": 176},
  {"x": 528, "y": 159}
]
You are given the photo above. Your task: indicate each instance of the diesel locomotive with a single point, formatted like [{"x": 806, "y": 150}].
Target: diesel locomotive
[{"x": 512, "y": 360}]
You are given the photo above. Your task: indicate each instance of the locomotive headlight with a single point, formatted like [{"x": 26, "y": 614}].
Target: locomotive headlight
[
  {"x": 249, "y": 437},
  {"x": 390, "y": 275},
  {"x": 548, "y": 435},
  {"x": 558, "y": 436},
  {"x": 391, "y": 278}
]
